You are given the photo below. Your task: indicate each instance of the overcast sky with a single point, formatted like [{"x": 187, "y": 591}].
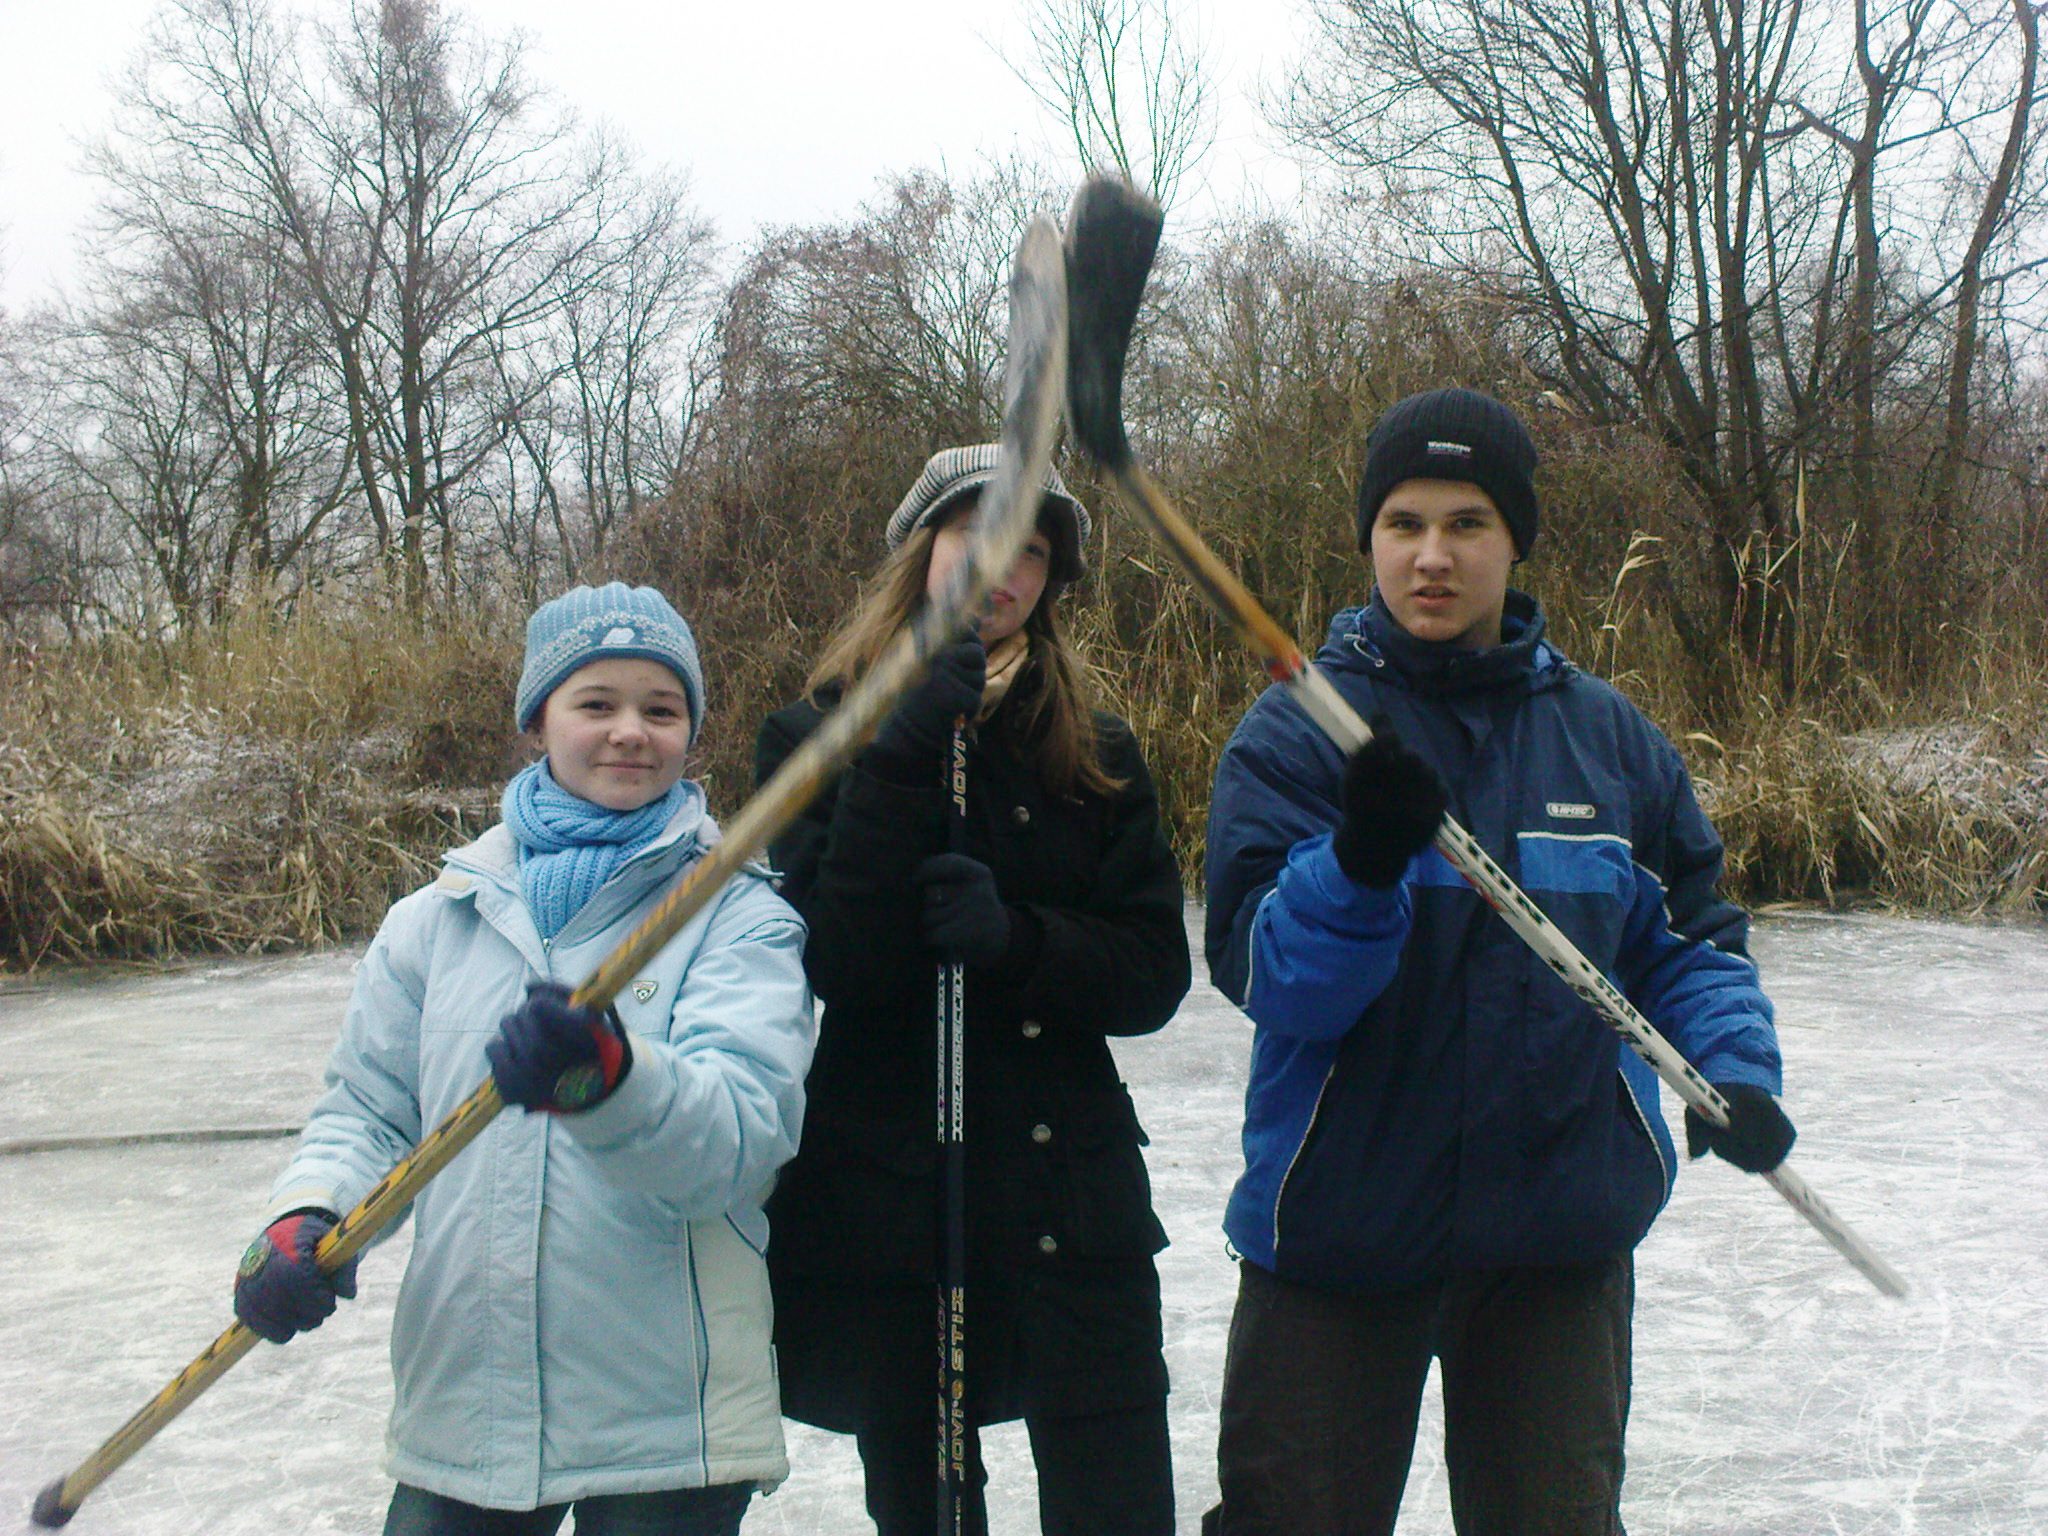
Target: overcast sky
[{"x": 782, "y": 111}]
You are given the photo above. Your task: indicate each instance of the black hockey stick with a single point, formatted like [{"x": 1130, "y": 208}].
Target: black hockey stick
[
  {"x": 952, "y": 1073},
  {"x": 1033, "y": 375},
  {"x": 1112, "y": 236}
]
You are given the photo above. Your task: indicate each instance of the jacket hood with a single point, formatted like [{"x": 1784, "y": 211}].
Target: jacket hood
[{"x": 1369, "y": 640}]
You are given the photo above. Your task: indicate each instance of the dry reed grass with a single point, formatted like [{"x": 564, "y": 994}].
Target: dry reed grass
[
  {"x": 273, "y": 781},
  {"x": 279, "y": 778}
]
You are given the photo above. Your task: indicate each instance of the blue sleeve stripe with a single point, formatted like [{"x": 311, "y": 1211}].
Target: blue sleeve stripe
[
  {"x": 1322, "y": 945},
  {"x": 1709, "y": 1002}
]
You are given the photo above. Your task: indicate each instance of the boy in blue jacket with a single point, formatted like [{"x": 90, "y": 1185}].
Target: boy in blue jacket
[{"x": 1448, "y": 1155}]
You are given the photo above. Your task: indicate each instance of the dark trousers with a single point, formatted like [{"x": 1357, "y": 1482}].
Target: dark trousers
[
  {"x": 673, "y": 1512},
  {"x": 1104, "y": 1474},
  {"x": 1321, "y": 1392}
]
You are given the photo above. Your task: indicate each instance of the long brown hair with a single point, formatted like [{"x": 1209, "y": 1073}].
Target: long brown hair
[{"x": 1057, "y": 720}]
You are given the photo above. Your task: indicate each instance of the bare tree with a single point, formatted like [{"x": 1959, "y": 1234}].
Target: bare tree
[
  {"x": 39, "y": 583},
  {"x": 1998, "y": 215},
  {"x": 139, "y": 433},
  {"x": 418, "y": 192},
  {"x": 622, "y": 335},
  {"x": 1126, "y": 80},
  {"x": 1656, "y": 191},
  {"x": 895, "y": 318}
]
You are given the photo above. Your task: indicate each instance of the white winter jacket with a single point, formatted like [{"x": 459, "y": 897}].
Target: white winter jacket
[{"x": 586, "y": 1310}]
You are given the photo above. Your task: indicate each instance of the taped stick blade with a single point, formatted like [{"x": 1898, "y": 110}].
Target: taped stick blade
[
  {"x": 49, "y": 1511},
  {"x": 1034, "y": 376},
  {"x": 1112, "y": 235}
]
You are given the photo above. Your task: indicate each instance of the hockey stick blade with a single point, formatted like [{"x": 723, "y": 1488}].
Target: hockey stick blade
[
  {"x": 49, "y": 1511},
  {"x": 1112, "y": 235},
  {"x": 1034, "y": 372}
]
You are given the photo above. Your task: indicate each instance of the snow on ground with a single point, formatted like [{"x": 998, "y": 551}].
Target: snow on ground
[{"x": 1775, "y": 1392}]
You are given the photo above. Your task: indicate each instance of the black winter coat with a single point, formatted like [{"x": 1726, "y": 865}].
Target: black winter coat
[{"x": 1056, "y": 1183}]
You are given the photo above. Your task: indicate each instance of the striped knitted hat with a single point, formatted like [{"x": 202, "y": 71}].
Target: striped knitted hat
[
  {"x": 587, "y": 624},
  {"x": 953, "y": 473}
]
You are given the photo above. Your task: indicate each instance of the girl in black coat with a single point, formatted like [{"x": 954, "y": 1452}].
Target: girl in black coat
[{"x": 1066, "y": 910}]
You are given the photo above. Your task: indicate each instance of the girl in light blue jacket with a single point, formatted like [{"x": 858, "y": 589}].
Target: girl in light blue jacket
[{"x": 585, "y": 1319}]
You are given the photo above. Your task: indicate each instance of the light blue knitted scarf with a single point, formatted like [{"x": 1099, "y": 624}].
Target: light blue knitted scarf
[{"x": 569, "y": 847}]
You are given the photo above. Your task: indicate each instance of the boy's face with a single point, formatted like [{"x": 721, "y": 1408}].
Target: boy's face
[
  {"x": 616, "y": 732},
  {"x": 1441, "y": 553}
]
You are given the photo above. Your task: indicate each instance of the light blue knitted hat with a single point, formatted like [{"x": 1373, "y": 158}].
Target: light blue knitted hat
[{"x": 587, "y": 624}]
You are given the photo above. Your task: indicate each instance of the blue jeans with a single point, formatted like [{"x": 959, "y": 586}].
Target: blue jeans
[{"x": 674, "y": 1512}]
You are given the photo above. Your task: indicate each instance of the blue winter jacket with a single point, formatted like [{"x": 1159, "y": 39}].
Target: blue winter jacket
[
  {"x": 1425, "y": 1096},
  {"x": 586, "y": 1309}
]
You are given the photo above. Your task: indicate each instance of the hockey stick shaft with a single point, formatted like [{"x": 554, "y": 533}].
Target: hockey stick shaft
[
  {"x": 1112, "y": 234},
  {"x": 1034, "y": 376},
  {"x": 952, "y": 1127}
]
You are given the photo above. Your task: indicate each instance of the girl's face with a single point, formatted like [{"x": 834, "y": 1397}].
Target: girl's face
[
  {"x": 1014, "y": 597},
  {"x": 616, "y": 732},
  {"x": 1441, "y": 553}
]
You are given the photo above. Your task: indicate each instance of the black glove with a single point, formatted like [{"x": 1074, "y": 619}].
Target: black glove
[
  {"x": 1393, "y": 802},
  {"x": 921, "y": 726},
  {"x": 279, "y": 1289},
  {"x": 964, "y": 918},
  {"x": 1757, "y": 1136},
  {"x": 552, "y": 1056}
]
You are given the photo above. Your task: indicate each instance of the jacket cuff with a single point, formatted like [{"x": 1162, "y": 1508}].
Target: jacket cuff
[
  {"x": 621, "y": 1114},
  {"x": 1027, "y": 944},
  {"x": 302, "y": 1197},
  {"x": 1736, "y": 1069}
]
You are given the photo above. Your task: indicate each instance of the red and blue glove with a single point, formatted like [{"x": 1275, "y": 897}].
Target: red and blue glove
[
  {"x": 551, "y": 1055},
  {"x": 279, "y": 1289}
]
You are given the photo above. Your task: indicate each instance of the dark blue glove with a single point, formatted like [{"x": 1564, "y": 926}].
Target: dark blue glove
[
  {"x": 279, "y": 1289},
  {"x": 552, "y": 1056},
  {"x": 1757, "y": 1136},
  {"x": 920, "y": 727},
  {"x": 964, "y": 918},
  {"x": 1392, "y": 802}
]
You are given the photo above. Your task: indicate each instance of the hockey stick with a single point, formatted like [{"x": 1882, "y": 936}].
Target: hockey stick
[
  {"x": 1112, "y": 235},
  {"x": 952, "y": 1054},
  {"x": 1034, "y": 374}
]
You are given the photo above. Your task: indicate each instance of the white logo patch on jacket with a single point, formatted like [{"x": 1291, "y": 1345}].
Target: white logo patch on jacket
[{"x": 1567, "y": 810}]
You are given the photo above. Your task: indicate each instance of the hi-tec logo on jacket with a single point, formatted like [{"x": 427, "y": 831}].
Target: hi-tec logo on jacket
[{"x": 1567, "y": 810}]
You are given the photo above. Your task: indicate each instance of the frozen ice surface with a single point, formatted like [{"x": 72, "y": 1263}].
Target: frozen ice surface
[{"x": 1775, "y": 1393}]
